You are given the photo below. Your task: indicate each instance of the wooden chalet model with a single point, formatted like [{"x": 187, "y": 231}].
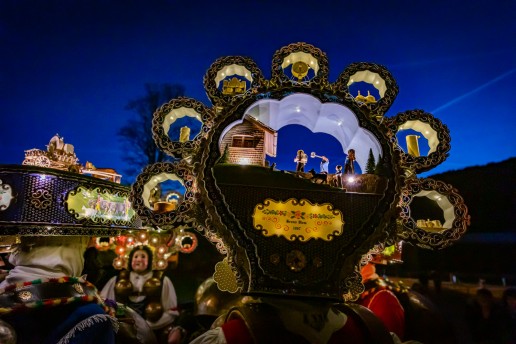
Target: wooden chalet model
[{"x": 250, "y": 142}]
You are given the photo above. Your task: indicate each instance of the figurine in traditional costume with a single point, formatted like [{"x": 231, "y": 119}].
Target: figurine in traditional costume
[
  {"x": 349, "y": 164},
  {"x": 149, "y": 292},
  {"x": 301, "y": 159}
]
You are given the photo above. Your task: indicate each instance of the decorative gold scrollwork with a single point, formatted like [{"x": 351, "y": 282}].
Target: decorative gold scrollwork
[{"x": 41, "y": 199}]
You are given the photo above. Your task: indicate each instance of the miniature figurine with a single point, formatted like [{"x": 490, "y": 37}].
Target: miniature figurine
[
  {"x": 337, "y": 177},
  {"x": 301, "y": 159},
  {"x": 349, "y": 165},
  {"x": 325, "y": 162}
]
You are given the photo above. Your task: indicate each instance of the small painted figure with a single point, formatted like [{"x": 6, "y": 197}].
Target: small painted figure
[
  {"x": 337, "y": 177},
  {"x": 325, "y": 162},
  {"x": 301, "y": 159},
  {"x": 349, "y": 165}
]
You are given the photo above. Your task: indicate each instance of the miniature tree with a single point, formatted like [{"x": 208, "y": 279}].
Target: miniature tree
[
  {"x": 380, "y": 168},
  {"x": 371, "y": 165}
]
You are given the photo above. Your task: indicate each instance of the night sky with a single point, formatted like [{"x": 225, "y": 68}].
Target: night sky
[{"x": 71, "y": 67}]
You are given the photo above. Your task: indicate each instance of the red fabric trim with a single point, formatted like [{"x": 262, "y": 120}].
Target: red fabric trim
[
  {"x": 386, "y": 306},
  {"x": 236, "y": 332}
]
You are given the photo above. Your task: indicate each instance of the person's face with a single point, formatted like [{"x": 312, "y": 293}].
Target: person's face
[{"x": 140, "y": 261}]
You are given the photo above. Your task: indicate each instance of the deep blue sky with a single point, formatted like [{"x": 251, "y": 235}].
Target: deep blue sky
[{"x": 70, "y": 67}]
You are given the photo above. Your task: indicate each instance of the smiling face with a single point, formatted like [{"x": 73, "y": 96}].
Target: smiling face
[{"x": 140, "y": 261}]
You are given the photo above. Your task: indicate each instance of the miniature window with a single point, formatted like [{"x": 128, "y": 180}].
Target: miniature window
[{"x": 243, "y": 141}]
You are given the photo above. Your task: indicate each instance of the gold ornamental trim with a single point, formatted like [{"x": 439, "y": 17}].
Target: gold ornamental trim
[
  {"x": 78, "y": 288},
  {"x": 25, "y": 295},
  {"x": 298, "y": 220}
]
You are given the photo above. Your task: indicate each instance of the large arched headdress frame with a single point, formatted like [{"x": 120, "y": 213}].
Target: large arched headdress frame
[{"x": 297, "y": 239}]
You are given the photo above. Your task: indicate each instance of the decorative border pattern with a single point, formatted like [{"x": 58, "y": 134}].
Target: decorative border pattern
[
  {"x": 279, "y": 78},
  {"x": 175, "y": 148},
  {"x": 213, "y": 92},
  {"x": 39, "y": 205},
  {"x": 175, "y": 217},
  {"x": 422, "y": 163},
  {"x": 421, "y": 238},
  {"x": 383, "y": 104}
]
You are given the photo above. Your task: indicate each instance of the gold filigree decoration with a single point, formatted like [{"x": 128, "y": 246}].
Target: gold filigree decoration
[
  {"x": 78, "y": 288},
  {"x": 25, "y": 295},
  {"x": 224, "y": 277},
  {"x": 41, "y": 199}
]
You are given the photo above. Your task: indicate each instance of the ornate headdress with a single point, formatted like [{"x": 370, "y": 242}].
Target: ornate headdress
[{"x": 283, "y": 234}]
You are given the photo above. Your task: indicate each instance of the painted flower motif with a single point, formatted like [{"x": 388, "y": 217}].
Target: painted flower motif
[{"x": 298, "y": 214}]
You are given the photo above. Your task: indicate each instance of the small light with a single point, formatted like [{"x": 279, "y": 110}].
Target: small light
[
  {"x": 223, "y": 74},
  {"x": 377, "y": 82},
  {"x": 351, "y": 80},
  {"x": 288, "y": 61},
  {"x": 143, "y": 236},
  {"x": 339, "y": 123},
  {"x": 427, "y": 132},
  {"x": 244, "y": 161},
  {"x": 120, "y": 250},
  {"x": 312, "y": 62},
  {"x": 351, "y": 179}
]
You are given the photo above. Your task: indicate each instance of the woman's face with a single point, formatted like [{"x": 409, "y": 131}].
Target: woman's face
[{"x": 140, "y": 261}]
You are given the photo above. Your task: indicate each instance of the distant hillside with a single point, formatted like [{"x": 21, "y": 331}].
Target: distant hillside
[{"x": 490, "y": 194}]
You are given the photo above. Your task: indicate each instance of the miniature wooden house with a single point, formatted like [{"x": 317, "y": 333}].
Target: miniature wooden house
[{"x": 249, "y": 142}]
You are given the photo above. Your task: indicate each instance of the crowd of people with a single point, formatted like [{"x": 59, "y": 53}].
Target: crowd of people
[{"x": 150, "y": 301}]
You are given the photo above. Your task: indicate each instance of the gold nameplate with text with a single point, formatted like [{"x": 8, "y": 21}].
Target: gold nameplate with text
[{"x": 298, "y": 220}]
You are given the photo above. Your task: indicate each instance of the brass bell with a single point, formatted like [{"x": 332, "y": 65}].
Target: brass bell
[
  {"x": 300, "y": 70},
  {"x": 153, "y": 311}
]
